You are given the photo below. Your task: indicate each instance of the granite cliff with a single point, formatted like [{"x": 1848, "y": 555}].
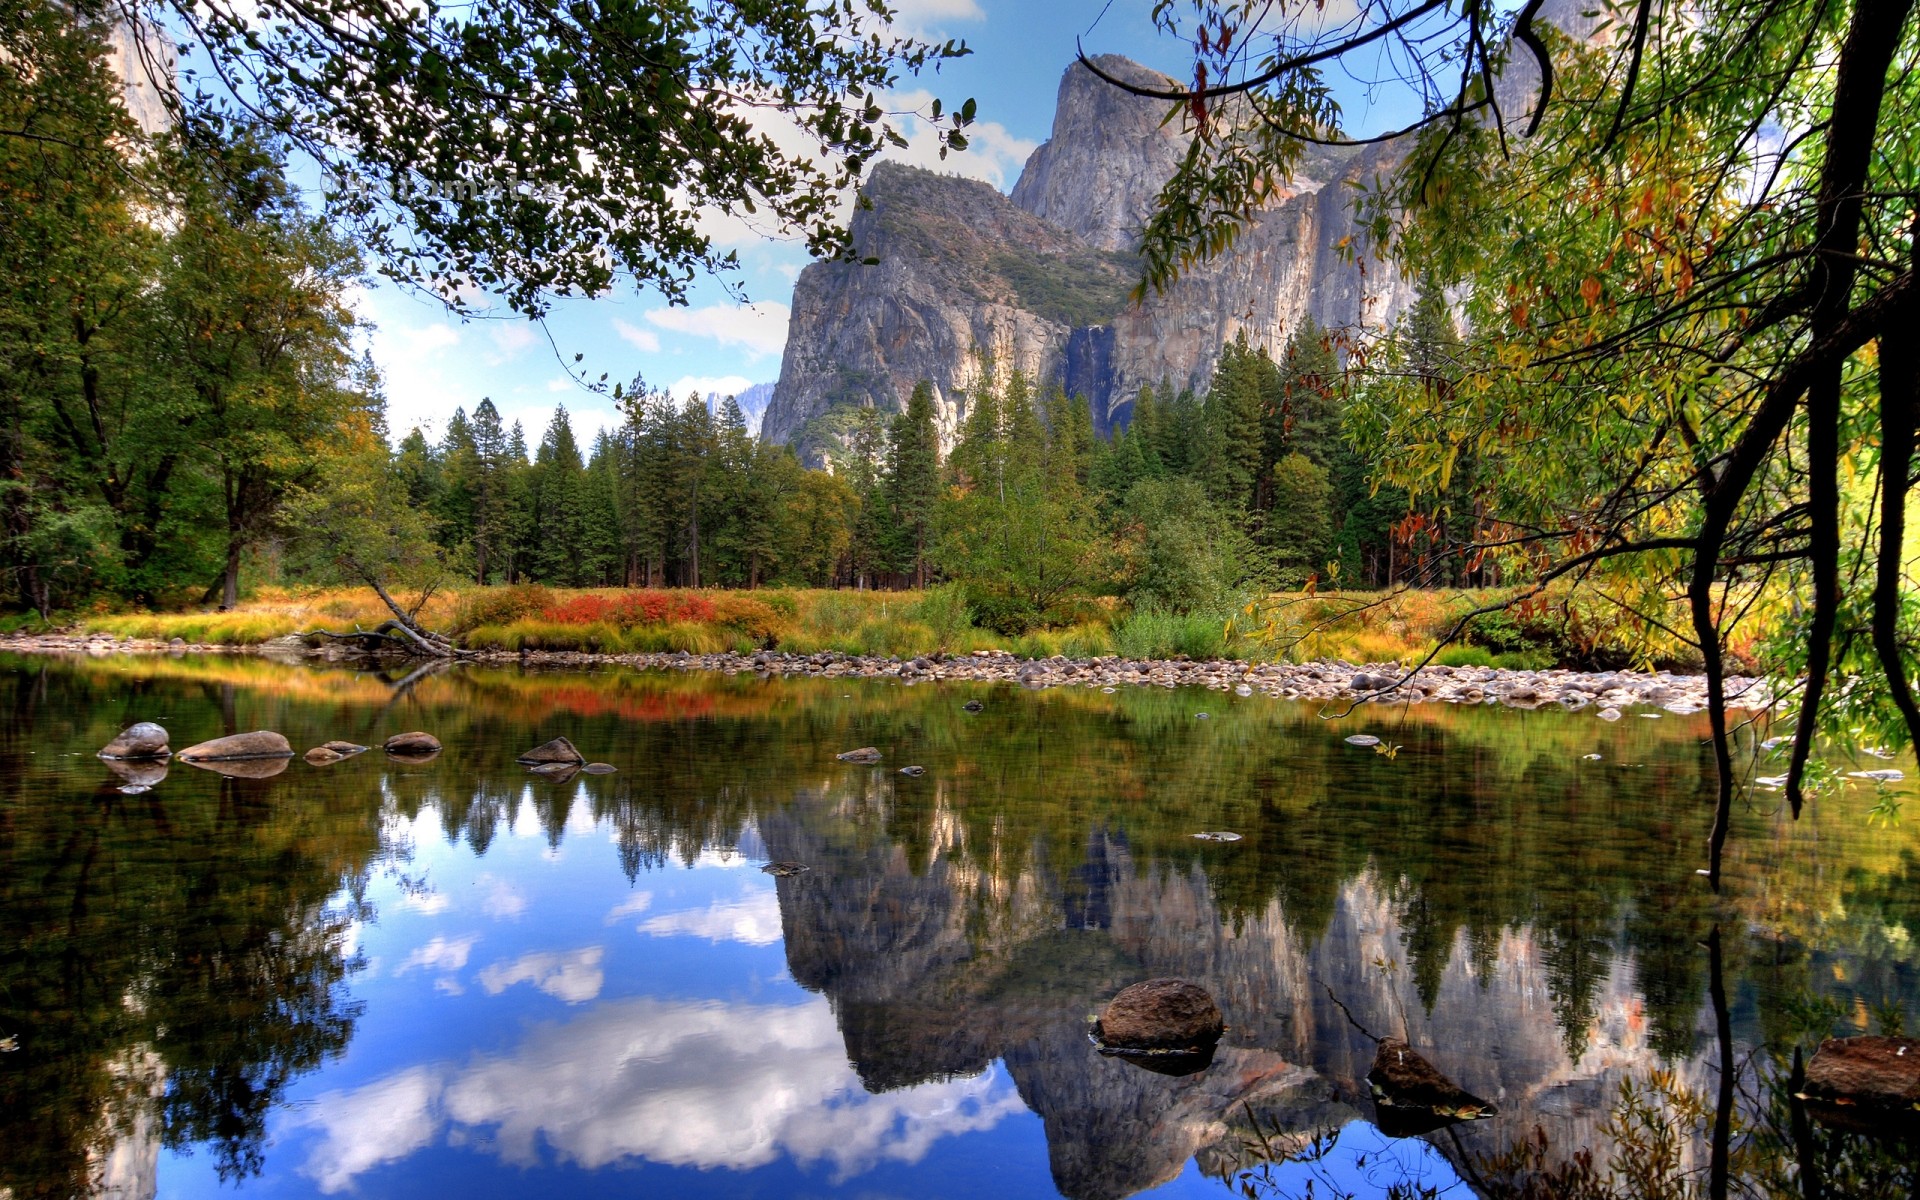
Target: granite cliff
[{"x": 1040, "y": 280}]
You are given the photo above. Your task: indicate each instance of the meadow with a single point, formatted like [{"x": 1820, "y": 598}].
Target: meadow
[{"x": 1359, "y": 627}]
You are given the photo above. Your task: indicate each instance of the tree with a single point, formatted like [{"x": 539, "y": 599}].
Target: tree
[
  {"x": 911, "y": 486},
  {"x": 1299, "y": 525},
  {"x": 1024, "y": 539},
  {"x": 538, "y": 149},
  {"x": 862, "y": 460},
  {"x": 1690, "y": 283},
  {"x": 356, "y": 515},
  {"x": 255, "y": 323},
  {"x": 557, "y": 490}
]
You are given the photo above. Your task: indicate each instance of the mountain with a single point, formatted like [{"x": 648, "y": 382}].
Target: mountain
[
  {"x": 753, "y": 403},
  {"x": 1040, "y": 279}
]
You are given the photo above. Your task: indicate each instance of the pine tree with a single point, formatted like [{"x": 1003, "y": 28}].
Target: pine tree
[
  {"x": 862, "y": 462},
  {"x": 911, "y": 487},
  {"x": 603, "y": 556},
  {"x": 557, "y": 486}
]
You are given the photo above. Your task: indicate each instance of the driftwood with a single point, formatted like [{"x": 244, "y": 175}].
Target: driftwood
[
  {"x": 403, "y": 632},
  {"x": 418, "y": 642}
]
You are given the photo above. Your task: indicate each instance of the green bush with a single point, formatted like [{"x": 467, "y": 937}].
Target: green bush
[
  {"x": 1155, "y": 633},
  {"x": 944, "y": 611}
]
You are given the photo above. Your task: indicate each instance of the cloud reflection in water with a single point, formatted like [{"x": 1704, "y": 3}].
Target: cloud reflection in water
[{"x": 695, "y": 1084}]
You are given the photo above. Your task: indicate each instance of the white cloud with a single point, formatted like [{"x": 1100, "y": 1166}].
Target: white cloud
[
  {"x": 440, "y": 954},
  {"x": 574, "y": 976},
  {"x": 426, "y": 903},
  {"x": 643, "y": 339},
  {"x": 510, "y": 340},
  {"x": 754, "y": 920},
  {"x": 993, "y": 155},
  {"x": 425, "y": 339},
  {"x": 708, "y": 385},
  {"x": 699, "y": 1084},
  {"x": 638, "y": 903},
  {"x": 382, "y": 1122},
  {"x": 760, "y": 329},
  {"x": 561, "y": 383},
  {"x": 503, "y": 901},
  {"x": 926, "y": 14}
]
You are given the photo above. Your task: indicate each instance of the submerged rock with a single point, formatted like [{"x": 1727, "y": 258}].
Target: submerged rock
[
  {"x": 973, "y": 706},
  {"x": 322, "y": 756},
  {"x": 1160, "y": 1015},
  {"x": 914, "y": 772},
  {"x": 261, "y": 743},
  {"x": 1362, "y": 739},
  {"x": 1402, "y": 1079},
  {"x": 412, "y": 745},
  {"x": 556, "y": 772},
  {"x": 865, "y": 754},
  {"x": 559, "y": 750},
  {"x": 598, "y": 768},
  {"x": 784, "y": 869},
  {"x": 143, "y": 739},
  {"x": 1217, "y": 835}
]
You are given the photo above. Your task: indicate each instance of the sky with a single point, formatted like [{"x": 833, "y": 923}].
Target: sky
[{"x": 433, "y": 361}]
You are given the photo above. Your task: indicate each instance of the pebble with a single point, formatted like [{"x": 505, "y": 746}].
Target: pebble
[{"x": 1610, "y": 691}]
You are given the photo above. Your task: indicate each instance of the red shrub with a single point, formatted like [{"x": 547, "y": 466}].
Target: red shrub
[{"x": 628, "y": 609}]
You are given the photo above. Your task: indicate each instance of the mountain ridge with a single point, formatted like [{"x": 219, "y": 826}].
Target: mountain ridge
[{"x": 970, "y": 280}]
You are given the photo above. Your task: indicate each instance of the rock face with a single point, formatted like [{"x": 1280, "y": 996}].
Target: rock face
[
  {"x": 143, "y": 739},
  {"x": 559, "y": 750},
  {"x": 1161, "y": 1014},
  {"x": 1039, "y": 281},
  {"x": 261, "y": 743}
]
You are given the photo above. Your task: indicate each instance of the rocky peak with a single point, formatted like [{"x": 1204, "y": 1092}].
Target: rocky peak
[
  {"x": 1109, "y": 154},
  {"x": 968, "y": 279}
]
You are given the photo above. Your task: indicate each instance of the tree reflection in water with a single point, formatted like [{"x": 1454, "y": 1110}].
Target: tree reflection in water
[{"x": 1523, "y": 916}]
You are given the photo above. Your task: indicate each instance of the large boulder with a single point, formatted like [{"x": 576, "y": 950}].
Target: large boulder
[
  {"x": 1161, "y": 1015},
  {"x": 412, "y": 745},
  {"x": 1867, "y": 1072},
  {"x": 559, "y": 750},
  {"x": 261, "y": 743},
  {"x": 143, "y": 739}
]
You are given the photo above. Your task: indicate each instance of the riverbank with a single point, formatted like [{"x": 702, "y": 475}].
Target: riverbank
[{"x": 1606, "y": 692}]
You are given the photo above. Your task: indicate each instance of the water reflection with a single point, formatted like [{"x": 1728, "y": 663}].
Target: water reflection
[
  {"x": 340, "y": 978},
  {"x": 706, "y": 1085}
]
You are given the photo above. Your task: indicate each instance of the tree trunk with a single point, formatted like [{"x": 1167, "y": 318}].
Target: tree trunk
[{"x": 230, "y": 580}]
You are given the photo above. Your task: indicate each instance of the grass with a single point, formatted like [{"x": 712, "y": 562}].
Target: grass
[{"x": 1354, "y": 627}]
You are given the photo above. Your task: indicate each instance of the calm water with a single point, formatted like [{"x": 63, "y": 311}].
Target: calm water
[{"x": 376, "y": 979}]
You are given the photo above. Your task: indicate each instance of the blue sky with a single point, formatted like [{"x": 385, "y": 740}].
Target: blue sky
[{"x": 433, "y": 361}]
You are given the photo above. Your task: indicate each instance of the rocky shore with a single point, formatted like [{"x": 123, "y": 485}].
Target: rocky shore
[{"x": 1607, "y": 692}]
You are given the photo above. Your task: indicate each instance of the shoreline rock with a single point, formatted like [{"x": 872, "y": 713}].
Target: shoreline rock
[
  {"x": 1160, "y": 1016},
  {"x": 239, "y": 747},
  {"x": 138, "y": 741},
  {"x": 1600, "y": 692}
]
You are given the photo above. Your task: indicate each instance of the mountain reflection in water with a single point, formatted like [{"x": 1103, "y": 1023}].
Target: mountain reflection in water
[{"x": 382, "y": 977}]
